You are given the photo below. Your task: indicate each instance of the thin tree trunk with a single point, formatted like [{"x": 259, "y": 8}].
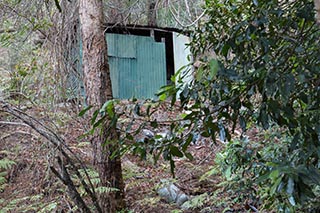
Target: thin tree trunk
[
  {"x": 98, "y": 90},
  {"x": 317, "y": 9},
  {"x": 152, "y": 13},
  {"x": 115, "y": 11}
]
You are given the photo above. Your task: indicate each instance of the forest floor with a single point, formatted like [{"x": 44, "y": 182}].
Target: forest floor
[{"x": 30, "y": 186}]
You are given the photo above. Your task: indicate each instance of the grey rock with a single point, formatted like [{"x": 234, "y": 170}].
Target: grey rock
[
  {"x": 148, "y": 133},
  {"x": 181, "y": 199},
  {"x": 172, "y": 194},
  {"x": 161, "y": 136}
]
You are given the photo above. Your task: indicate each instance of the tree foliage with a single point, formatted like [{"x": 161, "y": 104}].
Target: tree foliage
[
  {"x": 266, "y": 73},
  {"x": 262, "y": 70}
]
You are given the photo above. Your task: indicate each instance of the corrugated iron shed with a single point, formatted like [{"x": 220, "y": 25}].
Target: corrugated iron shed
[{"x": 143, "y": 59}]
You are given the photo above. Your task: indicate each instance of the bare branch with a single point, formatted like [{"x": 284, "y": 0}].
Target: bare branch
[
  {"x": 188, "y": 9},
  {"x": 66, "y": 179},
  {"x": 180, "y": 23},
  {"x": 18, "y": 132},
  {"x": 13, "y": 123},
  {"x": 10, "y": 30}
]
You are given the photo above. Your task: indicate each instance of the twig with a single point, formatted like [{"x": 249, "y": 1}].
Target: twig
[
  {"x": 18, "y": 132},
  {"x": 10, "y": 30},
  {"x": 188, "y": 9},
  {"x": 13, "y": 123},
  {"x": 189, "y": 25}
]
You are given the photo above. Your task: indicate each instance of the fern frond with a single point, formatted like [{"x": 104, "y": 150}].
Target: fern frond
[
  {"x": 95, "y": 181},
  {"x": 36, "y": 197},
  {"x": 49, "y": 208},
  {"x": 2, "y": 180},
  {"x": 6, "y": 163},
  {"x": 104, "y": 189},
  {"x": 92, "y": 173}
]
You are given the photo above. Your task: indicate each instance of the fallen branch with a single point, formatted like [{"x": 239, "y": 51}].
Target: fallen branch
[
  {"x": 60, "y": 145},
  {"x": 10, "y": 30},
  {"x": 13, "y": 123},
  {"x": 17, "y": 132},
  {"x": 66, "y": 180}
]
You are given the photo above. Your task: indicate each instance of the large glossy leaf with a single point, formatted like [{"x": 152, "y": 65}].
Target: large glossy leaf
[{"x": 175, "y": 151}]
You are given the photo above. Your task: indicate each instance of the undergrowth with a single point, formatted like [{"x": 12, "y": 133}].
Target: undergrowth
[{"x": 258, "y": 174}]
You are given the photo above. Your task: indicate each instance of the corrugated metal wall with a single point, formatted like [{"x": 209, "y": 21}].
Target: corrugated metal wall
[
  {"x": 137, "y": 65},
  {"x": 181, "y": 54}
]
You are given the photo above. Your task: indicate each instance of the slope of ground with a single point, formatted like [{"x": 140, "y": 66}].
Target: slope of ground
[{"x": 30, "y": 186}]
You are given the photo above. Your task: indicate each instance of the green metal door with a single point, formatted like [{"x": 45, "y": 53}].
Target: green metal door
[{"x": 137, "y": 65}]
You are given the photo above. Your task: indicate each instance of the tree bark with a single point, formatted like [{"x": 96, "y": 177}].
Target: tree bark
[
  {"x": 98, "y": 90},
  {"x": 317, "y": 9},
  {"x": 152, "y": 13}
]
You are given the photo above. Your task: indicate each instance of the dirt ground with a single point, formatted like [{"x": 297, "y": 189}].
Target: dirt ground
[{"x": 30, "y": 185}]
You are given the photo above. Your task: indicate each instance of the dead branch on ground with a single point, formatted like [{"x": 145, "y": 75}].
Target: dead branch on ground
[{"x": 60, "y": 145}]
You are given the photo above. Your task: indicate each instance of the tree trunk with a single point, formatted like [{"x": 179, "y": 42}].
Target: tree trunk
[
  {"x": 152, "y": 13},
  {"x": 317, "y": 9},
  {"x": 115, "y": 12},
  {"x": 98, "y": 90}
]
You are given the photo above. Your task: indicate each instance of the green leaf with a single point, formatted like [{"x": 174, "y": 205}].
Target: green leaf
[
  {"x": 6, "y": 164},
  {"x": 275, "y": 186},
  {"x": 82, "y": 112},
  {"x": 214, "y": 67},
  {"x": 109, "y": 108},
  {"x": 163, "y": 97},
  {"x": 267, "y": 73},
  {"x": 225, "y": 50},
  {"x": 129, "y": 137},
  {"x": 175, "y": 151},
  {"x": 96, "y": 124},
  {"x": 94, "y": 116},
  {"x": 172, "y": 166},
  {"x": 183, "y": 115},
  {"x": 189, "y": 155},
  {"x": 154, "y": 123},
  {"x": 187, "y": 142},
  {"x": 158, "y": 137},
  {"x": 137, "y": 109},
  {"x": 274, "y": 174},
  {"x": 199, "y": 73},
  {"x": 243, "y": 123},
  {"x": 228, "y": 173},
  {"x": 264, "y": 119}
]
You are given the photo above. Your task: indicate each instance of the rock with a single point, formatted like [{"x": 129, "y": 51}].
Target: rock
[
  {"x": 171, "y": 193},
  {"x": 161, "y": 136},
  {"x": 140, "y": 140},
  {"x": 148, "y": 133}
]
